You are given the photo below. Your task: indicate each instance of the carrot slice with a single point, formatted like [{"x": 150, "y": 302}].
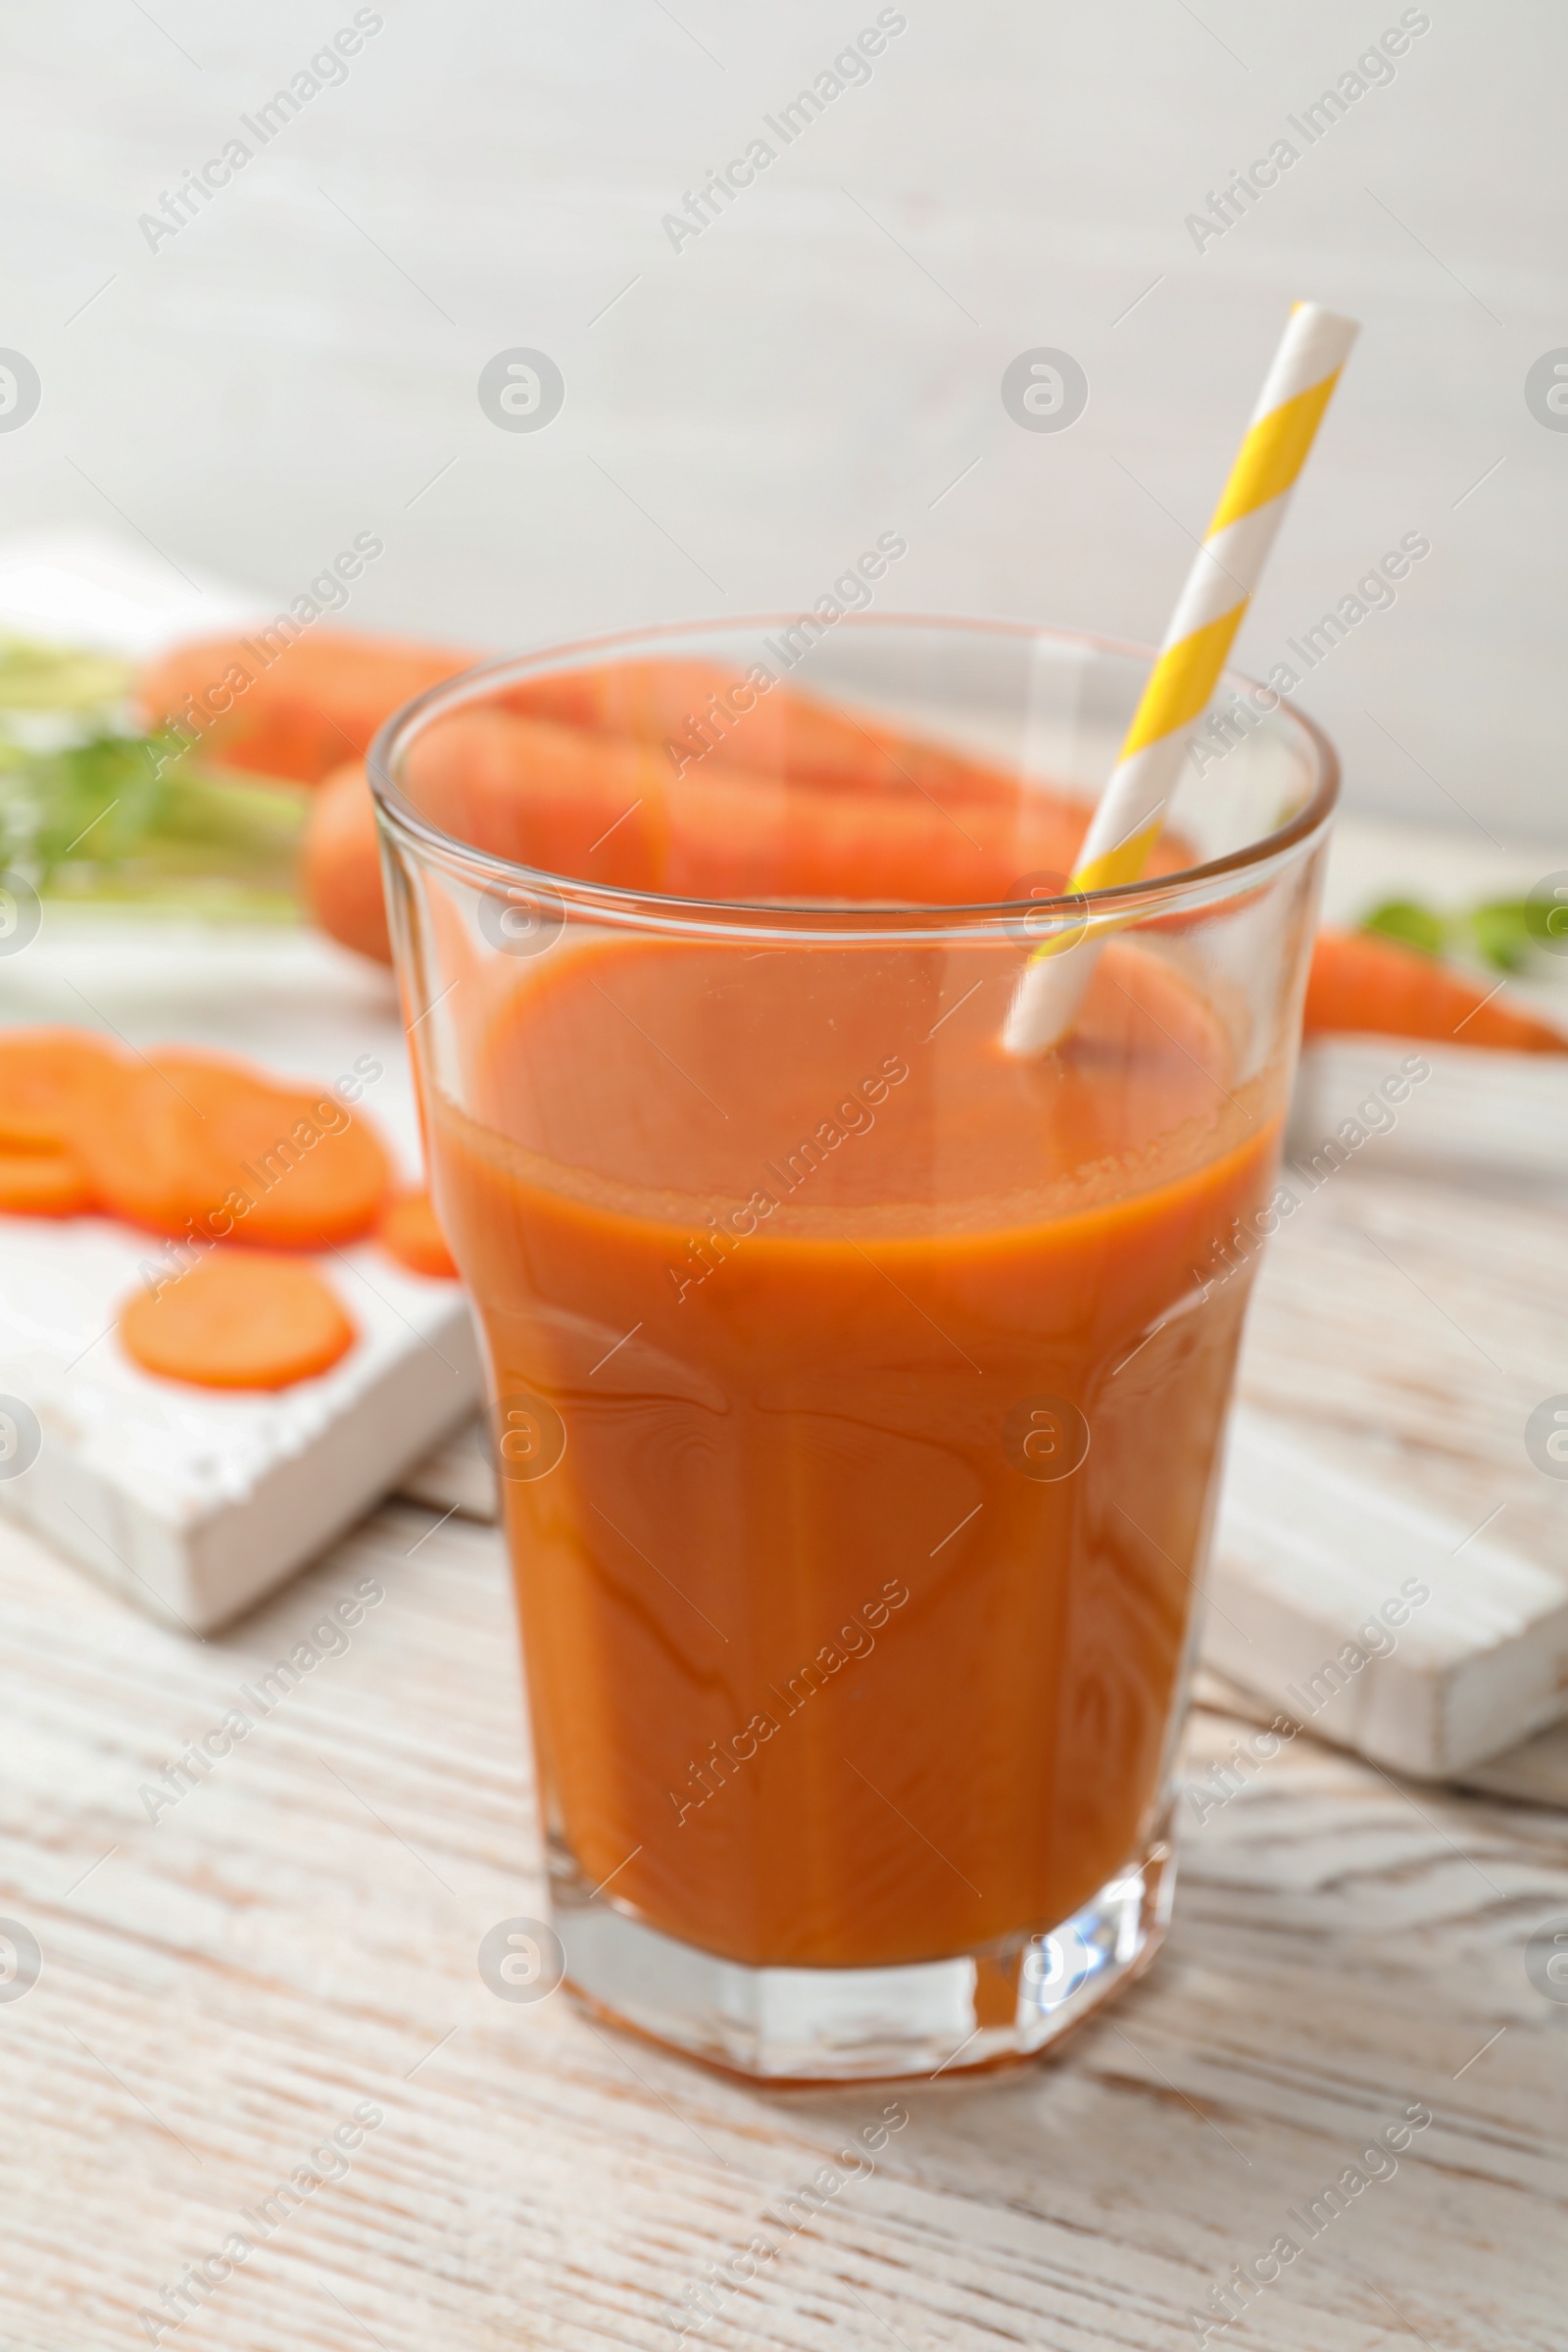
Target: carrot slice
[
  {"x": 1363, "y": 982},
  {"x": 409, "y": 1233},
  {"x": 46, "y": 1076},
  {"x": 190, "y": 1143},
  {"x": 44, "y": 1184},
  {"x": 237, "y": 1320},
  {"x": 290, "y": 700},
  {"x": 340, "y": 864}
]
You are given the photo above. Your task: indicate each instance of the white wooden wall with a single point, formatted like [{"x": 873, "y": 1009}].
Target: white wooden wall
[{"x": 823, "y": 363}]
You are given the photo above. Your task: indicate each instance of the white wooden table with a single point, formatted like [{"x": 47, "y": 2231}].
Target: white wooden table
[{"x": 222, "y": 1987}]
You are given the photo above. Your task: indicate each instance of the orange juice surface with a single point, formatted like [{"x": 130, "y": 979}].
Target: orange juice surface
[{"x": 856, "y": 1607}]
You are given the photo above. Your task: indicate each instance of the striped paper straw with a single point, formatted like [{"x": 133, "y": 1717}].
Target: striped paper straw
[{"x": 1219, "y": 587}]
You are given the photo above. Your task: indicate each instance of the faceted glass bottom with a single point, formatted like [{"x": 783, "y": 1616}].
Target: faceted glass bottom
[{"x": 1003, "y": 2001}]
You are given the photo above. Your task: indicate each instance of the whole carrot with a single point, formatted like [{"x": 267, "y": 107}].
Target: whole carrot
[
  {"x": 697, "y": 714},
  {"x": 298, "y": 707},
  {"x": 1363, "y": 982},
  {"x": 603, "y": 808},
  {"x": 340, "y": 864},
  {"x": 290, "y": 707}
]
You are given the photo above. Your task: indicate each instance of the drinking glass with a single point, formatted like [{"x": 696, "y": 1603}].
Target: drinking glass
[{"x": 857, "y": 1385}]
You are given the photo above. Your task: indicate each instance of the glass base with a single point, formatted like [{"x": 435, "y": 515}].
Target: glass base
[{"x": 1004, "y": 2002}]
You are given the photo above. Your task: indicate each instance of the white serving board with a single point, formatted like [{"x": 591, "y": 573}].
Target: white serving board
[
  {"x": 1479, "y": 1108},
  {"x": 1408, "y": 1317},
  {"x": 1402, "y": 1331},
  {"x": 1536, "y": 1771},
  {"x": 1373, "y": 1621},
  {"x": 1476, "y": 1108},
  {"x": 114, "y": 596},
  {"x": 190, "y": 1501},
  {"x": 457, "y": 1476},
  {"x": 196, "y": 1503}
]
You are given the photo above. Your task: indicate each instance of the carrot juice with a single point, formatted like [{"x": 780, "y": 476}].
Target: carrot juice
[
  {"x": 837, "y": 1655},
  {"x": 857, "y": 1384}
]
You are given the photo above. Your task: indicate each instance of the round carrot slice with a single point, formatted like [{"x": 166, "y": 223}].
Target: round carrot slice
[
  {"x": 408, "y": 1232},
  {"x": 46, "y": 1077},
  {"x": 44, "y": 1184},
  {"x": 237, "y": 1319},
  {"x": 188, "y": 1143}
]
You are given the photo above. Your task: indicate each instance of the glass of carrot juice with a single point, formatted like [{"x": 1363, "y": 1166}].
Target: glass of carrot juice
[{"x": 857, "y": 1384}]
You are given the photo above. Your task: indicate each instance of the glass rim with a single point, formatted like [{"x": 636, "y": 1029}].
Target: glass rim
[{"x": 1121, "y": 902}]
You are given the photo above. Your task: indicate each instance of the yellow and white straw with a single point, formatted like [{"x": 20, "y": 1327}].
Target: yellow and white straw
[{"x": 1219, "y": 587}]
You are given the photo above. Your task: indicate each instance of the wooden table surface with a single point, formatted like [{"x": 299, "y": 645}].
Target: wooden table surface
[{"x": 293, "y": 1942}]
